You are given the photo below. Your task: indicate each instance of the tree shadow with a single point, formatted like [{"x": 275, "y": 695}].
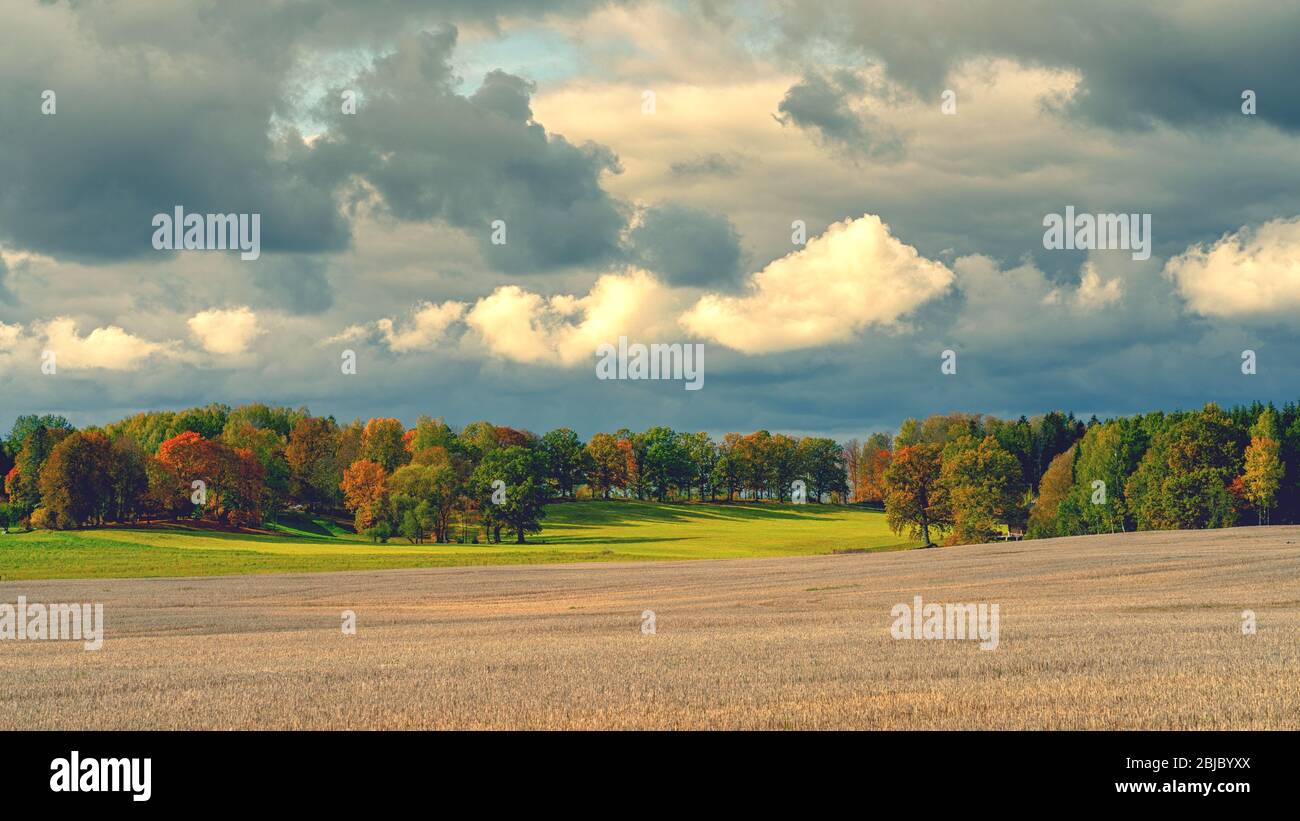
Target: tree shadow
[
  {"x": 579, "y": 540},
  {"x": 630, "y": 512}
]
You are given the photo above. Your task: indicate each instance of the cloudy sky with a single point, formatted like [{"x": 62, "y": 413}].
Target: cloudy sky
[{"x": 649, "y": 163}]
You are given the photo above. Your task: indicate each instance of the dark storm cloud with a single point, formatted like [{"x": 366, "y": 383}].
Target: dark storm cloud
[
  {"x": 687, "y": 246},
  {"x": 431, "y": 153},
  {"x": 274, "y": 33},
  {"x": 160, "y": 104},
  {"x": 821, "y": 103},
  {"x": 1184, "y": 63},
  {"x": 149, "y": 116},
  {"x": 133, "y": 137}
]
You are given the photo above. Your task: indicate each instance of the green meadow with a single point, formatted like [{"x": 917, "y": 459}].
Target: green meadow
[{"x": 588, "y": 531}]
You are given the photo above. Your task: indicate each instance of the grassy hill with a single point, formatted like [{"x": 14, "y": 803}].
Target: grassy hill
[{"x": 572, "y": 532}]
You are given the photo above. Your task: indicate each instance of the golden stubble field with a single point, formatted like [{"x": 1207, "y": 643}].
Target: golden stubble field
[{"x": 1125, "y": 631}]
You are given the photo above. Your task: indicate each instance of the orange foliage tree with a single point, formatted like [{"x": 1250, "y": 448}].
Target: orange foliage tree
[{"x": 365, "y": 490}]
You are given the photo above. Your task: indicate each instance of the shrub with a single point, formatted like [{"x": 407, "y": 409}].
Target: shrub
[{"x": 46, "y": 519}]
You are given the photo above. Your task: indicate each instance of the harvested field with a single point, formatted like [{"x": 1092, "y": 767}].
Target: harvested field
[{"x": 1125, "y": 631}]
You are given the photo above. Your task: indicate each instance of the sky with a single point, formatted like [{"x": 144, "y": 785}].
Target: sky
[{"x": 826, "y": 195}]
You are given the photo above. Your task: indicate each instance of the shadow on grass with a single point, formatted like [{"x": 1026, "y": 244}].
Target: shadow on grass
[
  {"x": 611, "y": 540},
  {"x": 596, "y": 514},
  {"x": 571, "y": 516},
  {"x": 300, "y": 523},
  {"x": 171, "y": 529}
]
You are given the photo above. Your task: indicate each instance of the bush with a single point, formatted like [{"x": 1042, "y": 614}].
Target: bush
[{"x": 46, "y": 519}]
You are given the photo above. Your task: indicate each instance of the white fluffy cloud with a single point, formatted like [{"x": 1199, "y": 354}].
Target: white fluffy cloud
[
  {"x": 427, "y": 327},
  {"x": 225, "y": 332},
  {"x": 110, "y": 348},
  {"x": 1250, "y": 272},
  {"x": 352, "y": 333},
  {"x": 566, "y": 330},
  {"x": 1094, "y": 292},
  {"x": 854, "y": 275},
  {"x": 9, "y": 335}
]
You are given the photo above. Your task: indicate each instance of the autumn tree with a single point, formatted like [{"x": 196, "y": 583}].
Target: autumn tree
[
  {"x": 74, "y": 482},
  {"x": 909, "y": 433},
  {"x": 89, "y": 479},
  {"x": 1053, "y": 433},
  {"x": 365, "y": 492},
  {"x": 194, "y": 458},
  {"x": 128, "y": 480},
  {"x": 752, "y": 454},
  {"x": 167, "y": 495},
  {"x": 1057, "y": 483},
  {"x": 348, "y": 449},
  {"x": 510, "y": 437},
  {"x": 1263, "y": 466},
  {"x": 873, "y": 461},
  {"x": 311, "y": 456},
  {"x": 984, "y": 488},
  {"x": 233, "y": 480},
  {"x": 608, "y": 464},
  {"x": 258, "y": 433},
  {"x": 22, "y": 484},
  {"x": 853, "y": 467},
  {"x": 945, "y": 428},
  {"x": 244, "y": 494},
  {"x": 915, "y": 498},
  {"x": 381, "y": 443}
]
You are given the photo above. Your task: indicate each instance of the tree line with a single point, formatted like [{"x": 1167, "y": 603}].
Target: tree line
[
  {"x": 970, "y": 477},
  {"x": 959, "y": 477},
  {"x": 248, "y": 465}
]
